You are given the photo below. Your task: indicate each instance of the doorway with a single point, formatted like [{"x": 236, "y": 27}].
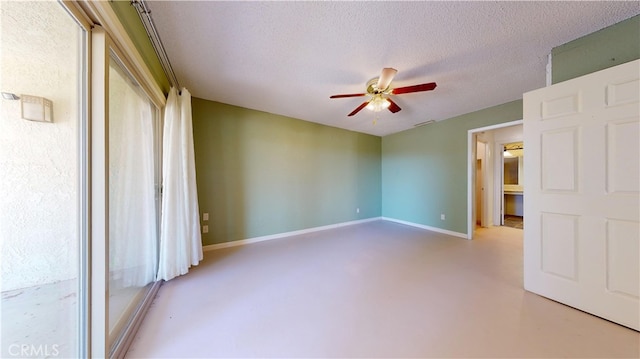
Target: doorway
[
  {"x": 513, "y": 181},
  {"x": 485, "y": 189},
  {"x": 481, "y": 168}
]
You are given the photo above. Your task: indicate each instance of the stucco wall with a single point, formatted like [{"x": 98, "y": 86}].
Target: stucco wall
[{"x": 38, "y": 161}]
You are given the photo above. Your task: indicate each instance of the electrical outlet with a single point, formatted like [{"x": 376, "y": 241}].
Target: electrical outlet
[
  {"x": 205, "y": 216},
  {"x": 205, "y": 229},
  {"x": 357, "y": 210},
  {"x": 442, "y": 217}
]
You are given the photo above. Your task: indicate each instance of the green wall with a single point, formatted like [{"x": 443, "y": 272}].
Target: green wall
[
  {"x": 424, "y": 170},
  {"x": 602, "y": 49},
  {"x": 260, "y": 174},
  {"x": 129, "y": 18}
]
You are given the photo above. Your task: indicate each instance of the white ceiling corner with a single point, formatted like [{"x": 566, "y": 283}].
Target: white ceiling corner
[{"x": 287, "y": 58}]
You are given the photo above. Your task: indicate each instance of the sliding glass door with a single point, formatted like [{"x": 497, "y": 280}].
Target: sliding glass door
[
  {"x": 79, "y": 187},
  {"x": 133, "y": 207},
  {"x": 125, "y": 202},
  {"x": 42, "y": 181}
]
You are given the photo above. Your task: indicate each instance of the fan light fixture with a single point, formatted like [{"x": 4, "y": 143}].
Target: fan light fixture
[
  {"x": 379, "y": 86},
  {"x": 378, "y": 103}
]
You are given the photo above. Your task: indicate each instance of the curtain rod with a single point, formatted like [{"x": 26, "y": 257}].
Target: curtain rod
[{"x": 145, "y": 16}]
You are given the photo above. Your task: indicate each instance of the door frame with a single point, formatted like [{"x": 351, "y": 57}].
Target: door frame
[
  {"x": 471, "y": 170},
  {"x": 482, "y": 217}
]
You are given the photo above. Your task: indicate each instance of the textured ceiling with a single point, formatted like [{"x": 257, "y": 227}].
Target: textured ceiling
[{"x": 287, "y": 58}]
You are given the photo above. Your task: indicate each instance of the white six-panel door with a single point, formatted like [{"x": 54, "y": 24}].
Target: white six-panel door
[{"x": 582, "y": 184}]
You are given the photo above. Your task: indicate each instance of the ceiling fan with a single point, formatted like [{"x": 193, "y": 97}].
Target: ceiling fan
[{"x": 378, "y": 90}]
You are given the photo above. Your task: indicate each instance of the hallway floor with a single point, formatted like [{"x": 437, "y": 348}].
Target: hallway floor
[{"x": 514, "y": 221}]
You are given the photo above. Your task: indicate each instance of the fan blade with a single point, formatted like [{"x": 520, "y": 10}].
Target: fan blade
[
  {"x": 385, "y": 78},
  {"x": 348, "y": 95},
  {"x": 394, "y": 106},
  {"x": 415, "y": 88},
  {"x": 364, "y": 104}
]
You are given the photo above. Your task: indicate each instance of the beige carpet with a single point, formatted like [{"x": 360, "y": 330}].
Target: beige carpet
[{"x": 379, "y": 289}]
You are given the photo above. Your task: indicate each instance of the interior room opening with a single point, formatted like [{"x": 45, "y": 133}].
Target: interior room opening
[{"x": 490, "y": 199}]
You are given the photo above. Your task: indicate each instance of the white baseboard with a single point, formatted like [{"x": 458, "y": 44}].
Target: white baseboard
[
  {"x": 434, "y": 229},
  {"x": 242, "y": 242}
]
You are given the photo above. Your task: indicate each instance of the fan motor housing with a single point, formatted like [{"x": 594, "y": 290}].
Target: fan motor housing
[{"x": 372, "y": 87}]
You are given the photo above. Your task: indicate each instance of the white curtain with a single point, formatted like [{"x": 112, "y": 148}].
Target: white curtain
[
  {"x": 180, "y": 241},
  {"x": 132, "y": 209}
]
